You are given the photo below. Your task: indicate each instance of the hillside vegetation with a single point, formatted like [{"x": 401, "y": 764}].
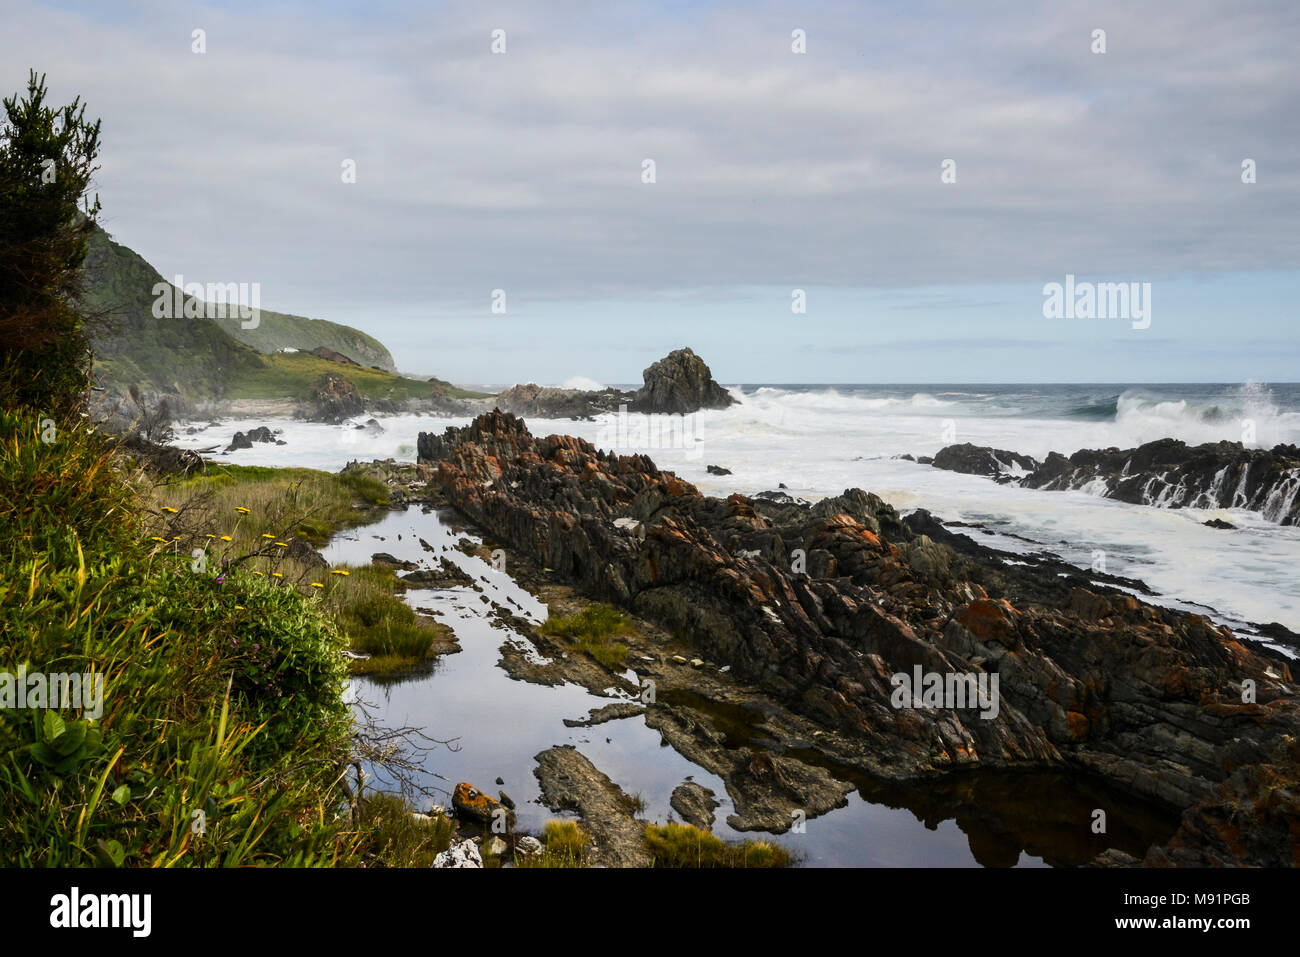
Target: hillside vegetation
[
  {"x": 222, "y": 732},
  {"x": 214, "y": 358}
]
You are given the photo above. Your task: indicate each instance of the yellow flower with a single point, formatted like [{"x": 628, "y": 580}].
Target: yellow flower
[
  {"x": 155, "y": 538},
  {"x": 264, "y": 535},
  {"x": 317, "y": 585},
  {"x": 239, "y": 608},
  {"x": 225, "y": 538},
  {"x": 277, "y": 574},
  {"x": 259, "y": 573},
  {"x": 338, "y": 571},
  {"x": 241, "y": 510},
  {"x": 168, "y": 508},
  {"x": 209, "y": 536},
  {"x": 282, "y": 544}
]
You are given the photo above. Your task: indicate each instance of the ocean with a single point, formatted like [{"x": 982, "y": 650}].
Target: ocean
[{"x": 818, "y": 440}]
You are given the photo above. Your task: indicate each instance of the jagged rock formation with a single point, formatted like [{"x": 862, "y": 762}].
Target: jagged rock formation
[
  {"x": 680, "y": 382},
  {"x": 334, "y": 399},
  {"x": 546, "y": 402},
  {"x": 821, "y": 606},
  {"x": 1166, "y": 473},
  {"x": 978, "y": 460}
]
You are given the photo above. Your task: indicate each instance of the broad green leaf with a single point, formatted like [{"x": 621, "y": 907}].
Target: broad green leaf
[
  {"x": 54, "y": 725},
  {"x": 71, "y": 740}
]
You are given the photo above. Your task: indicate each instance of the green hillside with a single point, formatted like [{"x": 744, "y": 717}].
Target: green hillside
[
  {"x": 204, "y": 358},
  {"x": 276, "y": 330},
  {"x": 190, "y": 357}
]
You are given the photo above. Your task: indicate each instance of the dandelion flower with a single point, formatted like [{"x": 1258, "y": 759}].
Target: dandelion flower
[
  {"x": 241, "y": 510},
  {"x": 339, "y": 571},
  {"x": 277, "y": 574},
  {"x": 225, "y": 538},
  {"x": 168, "y": 508},
  {"x": 155, "y": 538},
  {"x": 282, "y": 544},
  {"x": 317, "y": 584},
  {"x": 265, "y": 535},
  {"x": 239, "y": 608}
]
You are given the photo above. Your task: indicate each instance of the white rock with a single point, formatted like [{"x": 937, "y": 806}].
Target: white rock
[
  {"x": 460, "y": 854},
  {"x": 496, "y": 847},
  {"x": 697, "y": 662},
  {"x": 679, "y": 659},
  {"x": 528, "y": 846}
]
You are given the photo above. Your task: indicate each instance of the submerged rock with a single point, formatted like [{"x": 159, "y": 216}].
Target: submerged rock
[{"x": 695, "y": 803}]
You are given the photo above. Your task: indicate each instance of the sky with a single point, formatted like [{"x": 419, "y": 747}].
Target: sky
[{"x": 921, "y": 173}]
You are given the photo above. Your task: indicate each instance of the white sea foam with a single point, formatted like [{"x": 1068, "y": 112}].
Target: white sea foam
[{"x": 820, "y": 442}]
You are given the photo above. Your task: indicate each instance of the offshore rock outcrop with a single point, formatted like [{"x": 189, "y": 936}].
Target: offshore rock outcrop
[
  {"x": 1166, "y": 473},
  {"x": 820, "y": 606},
  {"x": 679, "y": 383}
]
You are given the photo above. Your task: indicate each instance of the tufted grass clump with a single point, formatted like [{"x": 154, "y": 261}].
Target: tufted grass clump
[
  {"x": 682, "y": 845},
  {"x": 593, "y": 630},
  {"x": 564, "y": 844}
]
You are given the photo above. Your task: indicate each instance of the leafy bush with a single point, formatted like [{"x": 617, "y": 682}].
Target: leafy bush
[{"x": 223, "y": 727}]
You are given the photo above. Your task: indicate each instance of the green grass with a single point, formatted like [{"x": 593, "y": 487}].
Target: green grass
[
  {"x": 393, "y": 838},
  {"x": 293, "y": 502},
  {"x": 593, "y": 630},
  {"x": 239, "y": 515},
  {"x": 681, "y": 845},
  {"x": 223, "y": 731},
  {"x": 564, "y": 844},
  {"x": 378, "y": 623},
  {"x": 295, "y": 374}
]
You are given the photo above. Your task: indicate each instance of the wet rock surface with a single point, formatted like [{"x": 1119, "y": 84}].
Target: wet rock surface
[
  {"x": 570, "y": 782},
  {"x": 819, "y": 606},
  {"x": 680, "y": 382},
  {"x": 695, "y": 803},
  {"x": 334, "y": 398},
  {"x": 1167, "y": 473}
]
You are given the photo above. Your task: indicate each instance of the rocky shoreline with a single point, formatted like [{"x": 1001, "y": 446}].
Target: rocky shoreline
[
  {"x": 816, "y": 608},
  {"x": 1166, "y": 473}
]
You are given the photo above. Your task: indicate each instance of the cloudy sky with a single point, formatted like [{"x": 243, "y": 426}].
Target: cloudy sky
[{"x": 773, "y": 171}]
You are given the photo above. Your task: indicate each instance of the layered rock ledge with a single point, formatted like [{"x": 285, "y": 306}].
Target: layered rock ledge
[
  {"x": 1166, "y": 473},
  {"x": 821, "y": 605}
]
